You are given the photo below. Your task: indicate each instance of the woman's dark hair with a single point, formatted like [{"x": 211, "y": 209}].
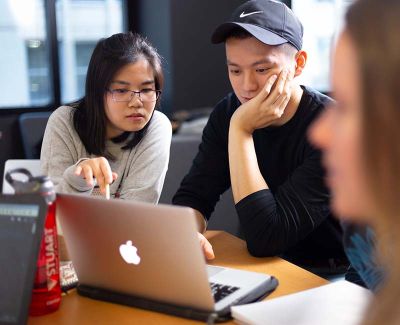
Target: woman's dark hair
[{"x": 109, "y": 56}]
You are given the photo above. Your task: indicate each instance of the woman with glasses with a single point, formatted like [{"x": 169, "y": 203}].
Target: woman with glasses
[
  {"x": 360, "y": 139},
  {"x": 112, "y": 140}
]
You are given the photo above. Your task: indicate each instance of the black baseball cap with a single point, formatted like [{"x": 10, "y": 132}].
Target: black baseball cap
[{"x": 271, "y": 22}]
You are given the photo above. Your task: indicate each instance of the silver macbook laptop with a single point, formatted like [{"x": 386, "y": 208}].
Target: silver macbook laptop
[{"x": 149, "y": 256}]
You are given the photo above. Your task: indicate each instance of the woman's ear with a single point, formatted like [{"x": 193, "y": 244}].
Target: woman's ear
[{"x": 301, "y": 59}]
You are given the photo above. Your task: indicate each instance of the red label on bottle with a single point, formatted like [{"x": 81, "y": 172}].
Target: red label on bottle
[{"x": 51, "y": 268}]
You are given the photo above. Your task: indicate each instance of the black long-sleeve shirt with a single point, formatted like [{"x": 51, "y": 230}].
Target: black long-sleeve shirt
[{"x": 292, "y": 217}]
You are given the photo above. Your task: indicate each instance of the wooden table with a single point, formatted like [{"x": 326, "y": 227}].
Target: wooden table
[{"x": 230, "y": 251}]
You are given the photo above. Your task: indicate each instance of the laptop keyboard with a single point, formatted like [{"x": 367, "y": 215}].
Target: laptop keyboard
[{"x": 220, "y": 291}]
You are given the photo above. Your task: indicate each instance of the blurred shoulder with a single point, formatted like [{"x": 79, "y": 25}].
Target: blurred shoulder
[
  {"x": 62, "y": 114},
  {"x": 160, "y": 121}
]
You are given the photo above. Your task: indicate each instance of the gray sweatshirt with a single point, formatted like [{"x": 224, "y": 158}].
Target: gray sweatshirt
[{"x": 141, "y": 170}]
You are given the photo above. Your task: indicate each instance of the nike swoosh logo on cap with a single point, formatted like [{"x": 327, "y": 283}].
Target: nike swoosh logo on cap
[{"x": 242, "y": 15}]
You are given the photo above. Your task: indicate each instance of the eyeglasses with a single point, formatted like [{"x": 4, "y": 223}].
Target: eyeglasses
[{"x": 126, "y": 95}]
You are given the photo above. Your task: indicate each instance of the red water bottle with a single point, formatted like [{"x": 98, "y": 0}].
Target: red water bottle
[{"x": 46, "y": 295}]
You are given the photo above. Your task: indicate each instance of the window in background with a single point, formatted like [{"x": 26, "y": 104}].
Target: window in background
[
  {"x": 322, "y": 20},
  {"x": 80, "y": 24},
  {"x": 38, "y": 72},
  {"x": 24, "y": 58},
  {"x": 83, "y": 51}
]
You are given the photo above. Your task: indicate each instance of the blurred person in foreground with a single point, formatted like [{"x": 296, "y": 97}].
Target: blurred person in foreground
[{"x": 360, "y": 140}]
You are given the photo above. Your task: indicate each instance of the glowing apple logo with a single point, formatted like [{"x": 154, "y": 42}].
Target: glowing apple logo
[{"x": 129, "y": 253}]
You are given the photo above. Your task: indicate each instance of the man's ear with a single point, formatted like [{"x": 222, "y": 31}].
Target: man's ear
[{"x": 301, "y": 59}]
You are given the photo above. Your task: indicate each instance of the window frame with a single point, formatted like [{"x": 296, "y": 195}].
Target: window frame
[{"x": 53, "y": 58}]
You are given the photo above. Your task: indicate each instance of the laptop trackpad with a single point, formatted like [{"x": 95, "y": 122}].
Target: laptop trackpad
[{"x": 213, "y": 270}]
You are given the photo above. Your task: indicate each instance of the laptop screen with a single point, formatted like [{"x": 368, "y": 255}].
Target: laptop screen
[{"x": 21, "y": 227}]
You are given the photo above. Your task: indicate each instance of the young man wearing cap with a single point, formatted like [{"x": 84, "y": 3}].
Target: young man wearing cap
[{"x": 256, "y": 142}]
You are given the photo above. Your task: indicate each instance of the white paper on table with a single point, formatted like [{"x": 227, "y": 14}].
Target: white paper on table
[{"x": 341, "y": 302}]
